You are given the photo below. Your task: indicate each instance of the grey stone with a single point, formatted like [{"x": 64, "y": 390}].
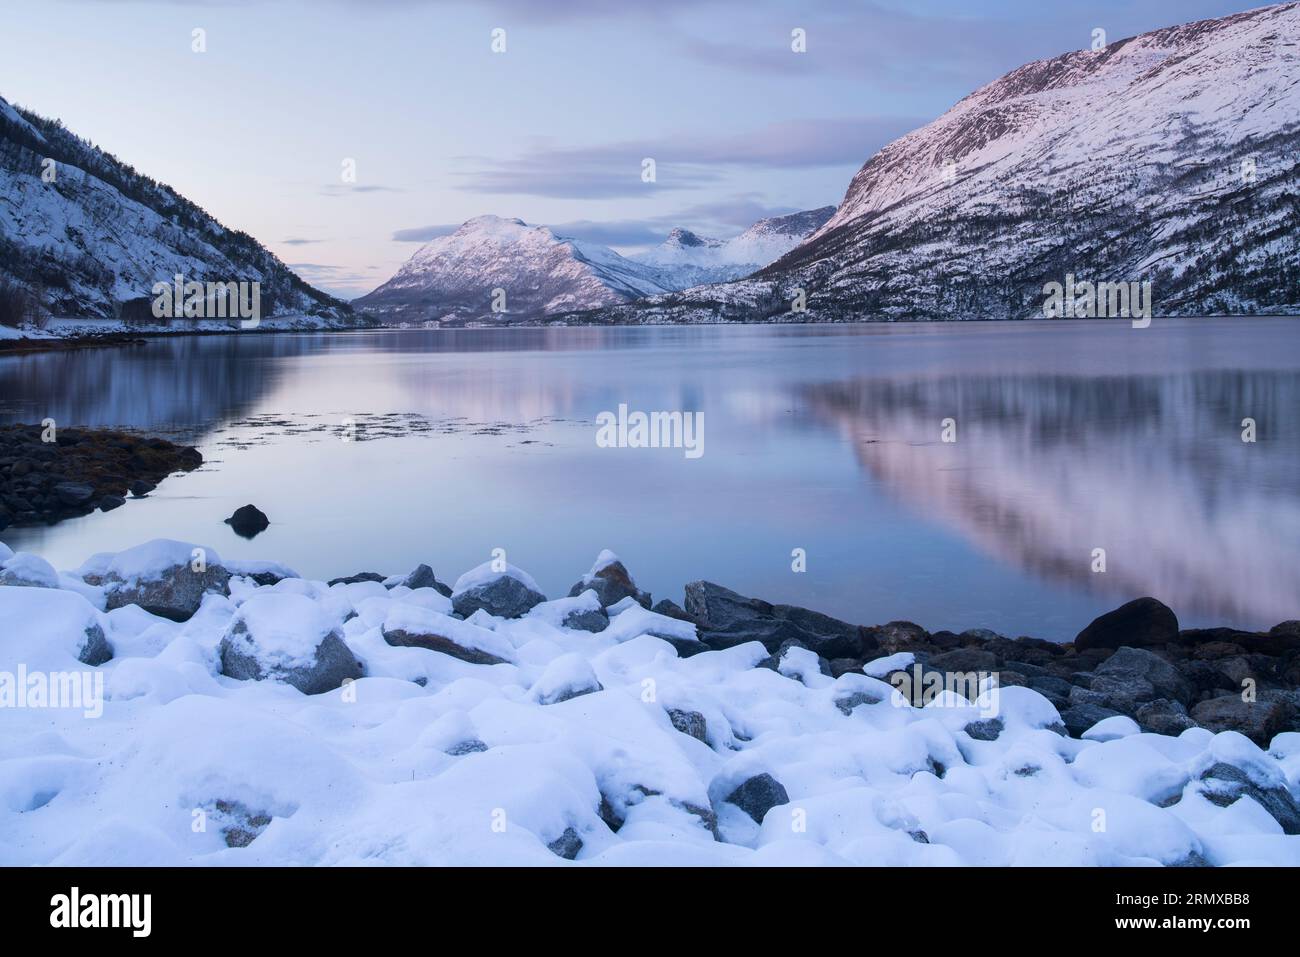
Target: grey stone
[
  {"x": 758, "y": 795},
  {"x": 1080, "y": 717},
  {"x": 1164, "y": 678},
  {"x": 400, "y": 638},
  {"x": 1142, "y": 622},
  {"x": 333, "y": 662},
  {"x": 1163, "y": 716},
  {"x": 726, "y": 619},
  {"x": 611, "y": 583},
  {"x": 588, "y": 619},
  {"x": 567, "y": 845},
  {"x": 504, "y": 597},
  {"x": 73, "y": 493},
  {"x": 95, "y": 649},
  {"x": 1258, "y": 720},
  {"x": 688, "y": 722},
  {"x": 1224, "y": 784},
  {"x": 175, "y": 594},
  {"x": 985, "y": 730}
]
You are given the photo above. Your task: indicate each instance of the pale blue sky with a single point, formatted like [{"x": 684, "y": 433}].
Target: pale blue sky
[{"x": 553, "y": 131}]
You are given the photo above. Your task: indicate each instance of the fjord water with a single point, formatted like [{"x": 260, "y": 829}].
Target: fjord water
[{"x": 375, "y": 451}]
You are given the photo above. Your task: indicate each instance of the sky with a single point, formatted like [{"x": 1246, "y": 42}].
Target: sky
[{"x": 263, "y": 125}]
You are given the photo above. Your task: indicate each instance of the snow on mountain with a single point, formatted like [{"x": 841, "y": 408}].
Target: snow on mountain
[
  {"x": 1169, "y": 157},
  {"x": 685, "y": 259},
  {"x": 85, "y": 233},
  {"x": 537, "y": 272}
]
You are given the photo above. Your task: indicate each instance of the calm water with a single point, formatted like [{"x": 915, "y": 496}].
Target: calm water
[{"x": 1070, "y": 437}]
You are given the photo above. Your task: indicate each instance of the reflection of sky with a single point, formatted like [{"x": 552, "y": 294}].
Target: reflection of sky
[
  {"x": 817, "y": 438},
  {"x": 553, "y": 131}
]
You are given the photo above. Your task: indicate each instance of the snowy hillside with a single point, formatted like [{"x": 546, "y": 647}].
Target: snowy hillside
[
  {"x": 1169, "y": 157},
  {"x": 685, "y": 259},
  {"x": 538, "y": 272},
  {"x": 85, "y": 232}
]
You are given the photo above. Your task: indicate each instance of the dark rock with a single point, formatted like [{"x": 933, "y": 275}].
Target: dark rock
[
  {"x": 894, "y": 636},
  {"x": 176, "y": 594},
  {"x": 1258, "y": 720},
  {"x": 400, "y": 638},
  {"x": 471, "y": 746},
  {"x": 964, "y": 660},
  {"x": 986, "y": 730},
  {"x": 610, "y": 580},
  {"x": 423, "y": 577},
  {"x": 758, "y": 795},
  {"x": 1140, "y": 623},
  {"x": 1163, "y": 716},
  {"x": 726, "y": 619},
  {"x": 686, "y": 647},
  {"x": 1080, "y": 717},
  {"x": 248, "y": 521},
  {"x": 1165, "y": 680},
  {"x": 848, "y": 702},
  {"x": 844, "y": 666},
  {"x": 1225, "y": 784},
  {"x": 588, "y": 619},
  {"x": 110, "y": 502},
  {"x": 688, "y": 722},
  {"x": 356, "y": 579},
  {"x": 333, "y": 662},
  {"x": 95, "y": 649},
  {"x": 669, "y": 609},
  {"x": 567, "y": 845},
  {"x": 140, "y": 488},
  {"x": 74, "y": 493},
  {"x": 504, "y": 596}
]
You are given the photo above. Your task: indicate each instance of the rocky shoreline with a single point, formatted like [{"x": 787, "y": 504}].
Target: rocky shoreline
[
  {"x": 606, "y": 722},
  {"x": 47, "y": 475}
]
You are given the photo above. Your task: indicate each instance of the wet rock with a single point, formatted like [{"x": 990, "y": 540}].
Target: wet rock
[
  {"x": 1078, "y": 718},
  {"x": 1137, "y": 665},
  {"x": 758, "y": 795},
  {"x": 726, "y": 619},
  {"x": 1258, "y": 720},
  {"x": 110, "y": 502},
  {"x": 140, "y": 488},
  {"x": 1163, "y": 716},
  {"x": 1140, "y": 623},
  {"x": 248, "y": 521}
]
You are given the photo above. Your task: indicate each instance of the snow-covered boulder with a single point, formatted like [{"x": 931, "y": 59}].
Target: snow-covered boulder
[
  {"x": 581, "y": 612},
  {"x": 507, "y": 592},
  {"x": 164, "y": 577},
  {"x": 46, "y": 629},
  {"x": 408, "y": 625},
  {"x": 758, "y": 795},
  {"x": 31, "y": 571},
  {"x": 423, "y": 577},
  {"x": 568, "y": 676},
  {"x": 610, "y": 580},
  {"x": 288, "y": 638}
]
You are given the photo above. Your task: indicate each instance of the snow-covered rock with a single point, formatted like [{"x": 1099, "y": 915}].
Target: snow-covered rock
[
  {"x": 29, "y": 570},
  {"x": 499, "y": 589},
  {"x": 165, "y": 577},
  {"x": 611, "y": 582},
  {"x": 287, "y": 638},
  {"x": 596, "y": 748}
]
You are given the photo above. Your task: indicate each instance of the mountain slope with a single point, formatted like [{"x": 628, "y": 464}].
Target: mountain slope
[
  {"x": 685, "y": 259},
  {"x": 101, "y": 234},
  {"x": 1169, "y": 157},
  {"x": 455, "y": 277}
]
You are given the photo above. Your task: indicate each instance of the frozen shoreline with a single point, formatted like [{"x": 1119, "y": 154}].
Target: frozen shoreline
[{"x": 251, "y": 716}]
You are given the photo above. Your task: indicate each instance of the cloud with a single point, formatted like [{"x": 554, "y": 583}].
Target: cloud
[
  {"x": 300, "y": 242},
  {"x": 685, "y": 161},
  {"x": 343, "y": 189}
]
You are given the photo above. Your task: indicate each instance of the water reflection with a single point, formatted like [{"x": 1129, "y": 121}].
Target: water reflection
[{"x": 1153, "y": 470}]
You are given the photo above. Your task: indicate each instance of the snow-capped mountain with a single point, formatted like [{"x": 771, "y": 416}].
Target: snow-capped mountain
[
  {"x": 686, "y": 259},
  {"x": 1169, "y": 157},
  {"x": 527, "y": 269},
  {"x": 86, "y": 233}
]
